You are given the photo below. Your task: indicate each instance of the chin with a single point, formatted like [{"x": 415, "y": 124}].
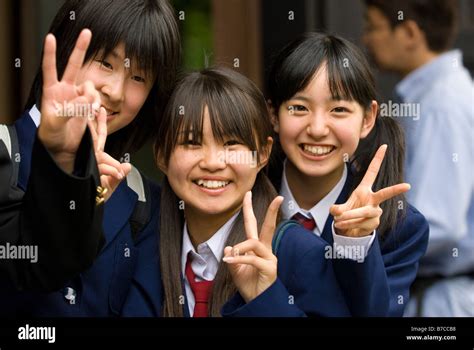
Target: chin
[
  {"x": 316, "y": 170},
  {"x": 213, "y": 208}
]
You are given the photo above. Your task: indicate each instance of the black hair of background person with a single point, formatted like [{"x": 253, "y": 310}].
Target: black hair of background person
[
  {"x": 438, "y": 19},
  {"x": 127, "y": 21},
  {"x": 292, "y": 70}
]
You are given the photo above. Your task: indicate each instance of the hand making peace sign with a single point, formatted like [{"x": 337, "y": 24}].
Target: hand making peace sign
[
  {"x": 252, "y": 264},
  {"x": 65, "y": 104},
  {"x": 360, "y": 215},
  {"x": 112, "y": 172}
]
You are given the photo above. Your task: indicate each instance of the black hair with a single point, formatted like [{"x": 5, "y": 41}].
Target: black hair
[
  {"x": 150, "y": 34},
  {"x": 349, "y": 78}
]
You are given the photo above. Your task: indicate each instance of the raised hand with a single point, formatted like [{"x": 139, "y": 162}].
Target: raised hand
[
  {"x": 252, "y": 264},
  {"x": 360, "y": 215},
  {"x": 66, "y": 105},
  {"x": 112, "y": 172}
]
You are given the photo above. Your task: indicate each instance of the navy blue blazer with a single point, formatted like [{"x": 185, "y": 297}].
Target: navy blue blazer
[
  {"x": 310, "y": 284},
  {"x": 101, "y": 290}
]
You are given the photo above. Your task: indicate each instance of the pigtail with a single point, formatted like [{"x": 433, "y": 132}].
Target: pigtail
[
  {"x": 386, "y": 131},
  {"x": 171, "y": 236}
]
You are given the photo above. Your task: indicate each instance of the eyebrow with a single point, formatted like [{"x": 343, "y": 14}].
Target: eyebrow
[
  {"x": 301, "y": 98},
  {"x": 115, "y": 54},
  {"x": 309, "y": 100}
]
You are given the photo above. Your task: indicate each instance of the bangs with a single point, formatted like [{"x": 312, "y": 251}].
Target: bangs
[
  {"x": 296, "y": 65},
  {"x": 344, "y": 71},
  {"x": 228, "y": 115},
  {"x": 136, "y": 24},
  {"x": 233, "y": 112}
]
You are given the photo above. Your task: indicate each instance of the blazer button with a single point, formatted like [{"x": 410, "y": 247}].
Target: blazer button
[
  {"x": 70, "y": 295},
  {"x": 100, "y": 195}
]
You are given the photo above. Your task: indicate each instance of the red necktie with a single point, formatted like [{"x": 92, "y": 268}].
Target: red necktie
[
  {"x": 307, "y": 223},
  {"x": 201, "y": 291}
]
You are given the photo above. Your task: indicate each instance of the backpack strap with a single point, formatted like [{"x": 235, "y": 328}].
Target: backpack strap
[
  {"x": 280, "y": 232},
  {"x": 9, "y": 137},
  {"x": 142, "y": 211}
]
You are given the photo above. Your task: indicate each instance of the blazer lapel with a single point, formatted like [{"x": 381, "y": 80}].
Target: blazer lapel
[
  {"x": 26, "y": 131},
  {"x": 147, "y": 274},
  {"x": 117, "y": 211}
]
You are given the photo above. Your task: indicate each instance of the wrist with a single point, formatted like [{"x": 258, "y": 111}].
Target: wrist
[{"x": 65, "y": 160}]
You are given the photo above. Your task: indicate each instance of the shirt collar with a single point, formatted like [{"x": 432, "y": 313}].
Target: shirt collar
[
  {"x": 320, "y": 212},
  {"x": 415, "y": 82},
  {"x": 35, "y": 114},
  {"x": 216, "y": 243}
]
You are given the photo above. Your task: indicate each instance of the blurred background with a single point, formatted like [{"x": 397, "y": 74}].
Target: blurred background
[{"x": 240, "y": 33}]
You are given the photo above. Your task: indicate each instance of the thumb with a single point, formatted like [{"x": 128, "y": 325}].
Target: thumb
[
  {"x": 336, "y": 209},
  {"x": 228, "y": 257},
  {"x": 126, "y": 168}
]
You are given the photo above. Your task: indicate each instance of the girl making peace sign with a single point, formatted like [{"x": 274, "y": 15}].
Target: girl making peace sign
[
  {"x": 324, "y": 110},
  {"x": 127, "y": 66}
]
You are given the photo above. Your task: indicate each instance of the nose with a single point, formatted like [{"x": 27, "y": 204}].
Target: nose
[
  {"x": 318, "y": 126},
  {"x": 113, "y": 87},
  {"x": 213, "y": 159}
]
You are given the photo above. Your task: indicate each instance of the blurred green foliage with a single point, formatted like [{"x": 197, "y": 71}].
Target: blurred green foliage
[{"x": 195, "y": 22}]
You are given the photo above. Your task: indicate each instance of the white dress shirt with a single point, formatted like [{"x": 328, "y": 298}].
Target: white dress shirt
[
  {"x": 206, "y": 260},
  {"x": 35, "y": 114},
  {"x": 320, "y": 214}
]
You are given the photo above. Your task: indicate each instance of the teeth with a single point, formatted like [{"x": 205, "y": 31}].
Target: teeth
[
  {"x": 108, "y": 111},
  {"x": 318, "y": 150},
  {"x": 212, "y": 183}
]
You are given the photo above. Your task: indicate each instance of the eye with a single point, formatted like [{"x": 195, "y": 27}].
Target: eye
[
  {"x": 232, "y": 143},
  {"x": 105, "y": 64},
  {"x": 191, "y": 142},
  {"x": 340, "y": 110},
  {"x": 296, "y": 108},
  {"x": 138, "y": 79}
]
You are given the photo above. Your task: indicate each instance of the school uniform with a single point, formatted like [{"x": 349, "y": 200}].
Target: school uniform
[
  {"x": 39, "y": 220},
  {"x": 203, "y": 261},
  {"x": 101, "y": 289},
  {"x": 308, "y": 275},
  {"x": 298, "y": 255}
]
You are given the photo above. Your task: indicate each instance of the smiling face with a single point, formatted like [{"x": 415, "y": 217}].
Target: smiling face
[
  {"x": 212, "y": 177},
  {"x": 123, "y": 88},
  {"x": 318, "y": 133}
]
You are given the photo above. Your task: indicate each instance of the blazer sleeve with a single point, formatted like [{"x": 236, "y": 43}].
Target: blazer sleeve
[
  {"x": 380, "y": 285},
  {"x": 306, "y": 283},
  {"x": 57, "y": 217}
]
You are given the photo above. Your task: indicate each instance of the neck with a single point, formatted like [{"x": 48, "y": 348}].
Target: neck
[
  {"x": 320, "y": 186},
  {"x": 202, "y": 226},
  {"x": 417, "y": 61}
]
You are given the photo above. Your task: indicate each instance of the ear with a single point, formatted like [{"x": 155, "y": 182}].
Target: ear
[
  {"x": 266, "y": 152},
  {"x": 273, "y": 116},
  {"x": 412, "y": 35},
  {"x": 161, "y": 164},
  {"x": 369, "y": 119}
]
